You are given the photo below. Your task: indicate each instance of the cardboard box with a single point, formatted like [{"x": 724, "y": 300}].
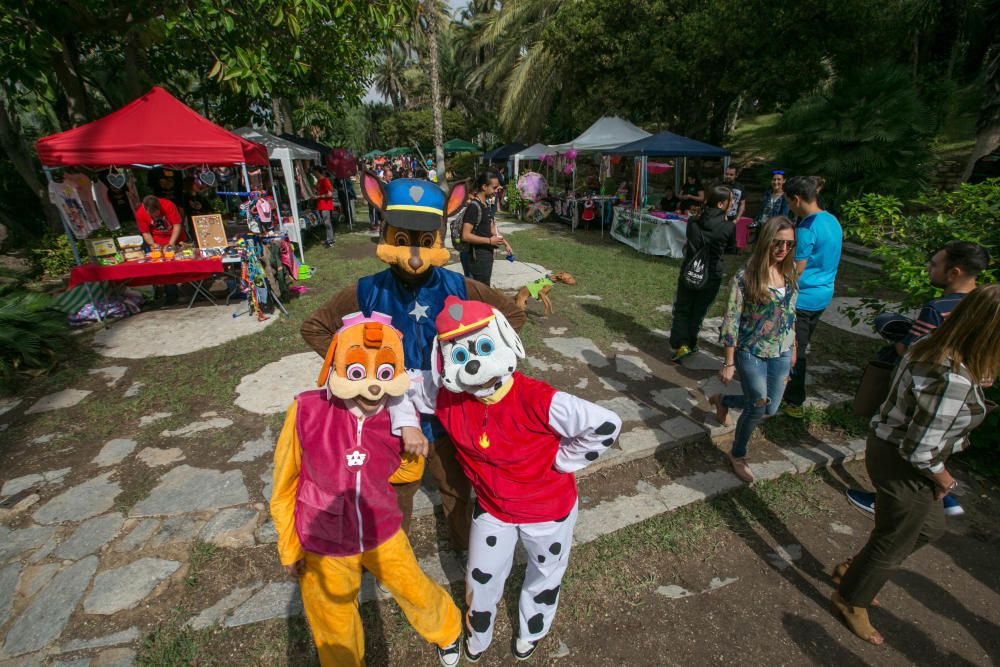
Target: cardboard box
[{"x": 101, "y": 247}]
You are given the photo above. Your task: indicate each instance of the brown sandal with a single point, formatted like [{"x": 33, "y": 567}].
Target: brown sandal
[
  {"x": 838, "y": 573},
  {"x": 856, "y": 619},
  {"x": 742, "y": 469},
  {"x": 721, "y": 411}
]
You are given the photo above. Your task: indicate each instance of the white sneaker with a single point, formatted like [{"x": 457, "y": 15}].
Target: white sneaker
[
  {"x": 451, "y": 655},
  {"x": 523, "y": 649}
]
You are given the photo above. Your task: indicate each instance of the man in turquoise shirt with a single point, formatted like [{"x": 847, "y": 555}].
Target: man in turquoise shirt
[{"x": 818, "y": 242}]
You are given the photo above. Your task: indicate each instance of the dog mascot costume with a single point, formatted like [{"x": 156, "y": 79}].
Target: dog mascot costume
[
  {"x": 412, "y": 291},
  {"x": 334, "y": 508},
  {"x": 519, "y": 440}
]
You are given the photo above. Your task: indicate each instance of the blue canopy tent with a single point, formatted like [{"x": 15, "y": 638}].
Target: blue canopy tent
[{"x": 668, "y": 144}]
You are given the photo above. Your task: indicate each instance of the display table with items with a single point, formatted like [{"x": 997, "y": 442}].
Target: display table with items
[
  {"x": 584, "y": 210},
  {"x": 653, "y": 233}
]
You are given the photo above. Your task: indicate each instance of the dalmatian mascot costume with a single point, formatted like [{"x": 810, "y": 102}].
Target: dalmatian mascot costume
[{"x": 519, "y": 441}]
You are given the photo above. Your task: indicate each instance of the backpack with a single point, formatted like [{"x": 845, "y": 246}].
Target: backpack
[
  {"x": 455, "y": 227},
  {"x": 694, "y": 270}
]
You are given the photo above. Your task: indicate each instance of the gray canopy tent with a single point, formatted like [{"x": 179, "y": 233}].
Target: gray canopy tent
[{"x": 285, "y": 152}]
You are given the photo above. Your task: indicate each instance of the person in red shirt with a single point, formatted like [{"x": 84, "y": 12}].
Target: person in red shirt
[
  {"x": 519, "y": 441},
  {"x": 159, "y": 222},
  {"x": 324, "y": 203}
]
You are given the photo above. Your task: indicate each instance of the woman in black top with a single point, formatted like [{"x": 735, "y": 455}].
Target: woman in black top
[
  {"x": 712, "y": 229},
  {"x": 479, "y": 229}
]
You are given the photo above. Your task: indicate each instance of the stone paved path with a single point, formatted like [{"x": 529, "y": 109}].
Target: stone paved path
[{"x": 74, "y": 555}]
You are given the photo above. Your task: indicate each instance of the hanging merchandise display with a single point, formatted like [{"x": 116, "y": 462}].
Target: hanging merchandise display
[
  {"x": 71, "y": 209},
  {"x": 104, "y": 206},
  {"x": 84, "y": 191},
  {"x": 167, "y": 184}
]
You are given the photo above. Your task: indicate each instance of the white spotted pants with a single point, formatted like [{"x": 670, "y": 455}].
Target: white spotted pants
[{"x": 491, "y": 554}]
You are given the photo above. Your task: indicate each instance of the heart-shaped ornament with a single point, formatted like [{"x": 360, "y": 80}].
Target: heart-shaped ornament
[
  {"x": 207, "y": 177},
  {"x": 116, "y": 179}
]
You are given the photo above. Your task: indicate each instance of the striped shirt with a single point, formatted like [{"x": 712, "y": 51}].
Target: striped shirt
[
  {"x": 932, "y": 315},
  {"x": 930, "y": 411}
]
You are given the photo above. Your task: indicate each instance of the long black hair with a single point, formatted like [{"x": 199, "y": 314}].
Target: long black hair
[{"x": 483, "y": 179}]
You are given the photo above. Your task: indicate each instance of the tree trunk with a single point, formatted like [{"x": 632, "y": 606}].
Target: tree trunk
[
  {"x": 64, "y": 66},
  {"x": 12, "y": 142},
  {"x": 133, "y": 87},
  {"x": 988, "y": 125},
  {"x": 432, "y": 48},
  {"x": 286, "y": 115}
]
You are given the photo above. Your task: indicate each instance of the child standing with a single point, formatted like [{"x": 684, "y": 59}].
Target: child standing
[{"x": 333, "y": 505}]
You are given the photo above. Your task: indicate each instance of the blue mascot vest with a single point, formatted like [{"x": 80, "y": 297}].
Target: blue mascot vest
[{"x": 413, "y": 310}]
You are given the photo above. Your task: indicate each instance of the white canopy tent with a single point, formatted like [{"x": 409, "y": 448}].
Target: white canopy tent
[
  {"x": 534, "y": 152},
  {"x": 605, "y": 134},
  {"x": 285, "y": 152}
]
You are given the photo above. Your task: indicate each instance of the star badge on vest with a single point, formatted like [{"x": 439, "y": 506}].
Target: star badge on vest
[
  {"x": 419, "y": 311},
  {"x": 356, "y": 459}
]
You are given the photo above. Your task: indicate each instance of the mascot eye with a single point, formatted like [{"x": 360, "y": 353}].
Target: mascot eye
[
  {"x": 401, "y": 239},
  {"x": 427, "y": 239},
  {"x": 356, "y": 372},
  {"x": 460, "y": 355},
  {"x": 385, "y": 372},
  {"x": 484, "y": 346}
]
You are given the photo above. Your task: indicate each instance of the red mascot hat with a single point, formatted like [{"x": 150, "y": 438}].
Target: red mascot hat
[{"x": 459, "y": 317}]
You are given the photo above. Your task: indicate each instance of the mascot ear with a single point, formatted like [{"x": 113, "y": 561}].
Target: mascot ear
[
  {"x": 437, "y": 363},
  {"x": 508, "y": 334},
  {"x": 456, "y": 197},
  {"x": 324, "y": 373},
  {"x": 373, "y": 189}
]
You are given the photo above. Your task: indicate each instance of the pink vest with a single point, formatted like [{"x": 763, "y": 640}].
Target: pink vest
[{"x": 344, "y": 504}]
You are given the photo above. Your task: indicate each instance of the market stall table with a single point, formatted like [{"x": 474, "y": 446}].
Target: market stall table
[
  {"x": 648, "y": 233},
  {"x": 165, "y": 272}
]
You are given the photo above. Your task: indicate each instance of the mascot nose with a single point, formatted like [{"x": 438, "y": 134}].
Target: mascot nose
[
  {"x": 374, "y": 389},
  {"x": 415, "y": 262},
  {"x": 473, "y": 366}
]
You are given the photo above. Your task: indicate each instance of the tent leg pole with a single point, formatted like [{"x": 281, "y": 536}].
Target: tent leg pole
[
  {"x": 246, "y": 177},
  {"x": 76, "y": 252},
  {"x": 274, "y": 191}
]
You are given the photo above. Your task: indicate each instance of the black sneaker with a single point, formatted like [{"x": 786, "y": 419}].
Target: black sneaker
[
  {"x": 522, "y": 649},
  {"x": 329, "y": 244},
  {"x": 469, "y": 655},
  {"x": 451, "y": 655}
]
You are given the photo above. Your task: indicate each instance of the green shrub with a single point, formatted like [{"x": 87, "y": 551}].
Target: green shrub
[
  {"x": 904, "y": 243},
  {"x": 52, "y": 255},
  {"x": 984, "y": 454},
  {"x": 33, "y": 336},
  {"x": 868, "y": 131}
]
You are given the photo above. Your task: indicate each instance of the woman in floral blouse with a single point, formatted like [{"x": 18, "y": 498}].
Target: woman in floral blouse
[{"x": 758, "y": 332}]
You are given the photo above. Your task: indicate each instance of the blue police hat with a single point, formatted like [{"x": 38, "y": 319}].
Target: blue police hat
[{"x": 415, "y": 204}]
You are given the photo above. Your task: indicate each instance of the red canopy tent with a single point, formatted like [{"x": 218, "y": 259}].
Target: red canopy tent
[{"x": 157, "y": 128}]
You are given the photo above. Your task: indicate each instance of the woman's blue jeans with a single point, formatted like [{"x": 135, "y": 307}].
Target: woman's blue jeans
[{"x": 763, "y": 383}]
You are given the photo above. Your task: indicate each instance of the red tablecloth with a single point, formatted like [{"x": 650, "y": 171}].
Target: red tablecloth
[{"x": 148, "y": 273}]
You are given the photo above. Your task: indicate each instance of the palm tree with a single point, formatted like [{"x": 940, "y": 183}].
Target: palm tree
[
  {"x": 389, "y": 78},
  {"x": 519, "y": 64},
  {"x": 431, "y": 17}
]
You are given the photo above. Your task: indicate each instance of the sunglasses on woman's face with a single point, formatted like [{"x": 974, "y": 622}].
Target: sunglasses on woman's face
[{"x": 777, "y": 243}]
